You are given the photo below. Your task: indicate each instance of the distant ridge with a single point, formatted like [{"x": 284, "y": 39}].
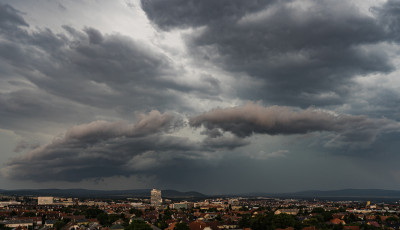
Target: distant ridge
[
  {"x": 85, "y": 193},
  {"x": 174, "y": 194},
  {"x": 362, "y": 193},
  {"x": 342, "y": 193}
]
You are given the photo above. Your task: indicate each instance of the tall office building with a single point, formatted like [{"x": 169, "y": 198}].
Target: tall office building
[{"x": 156, "y": 199}]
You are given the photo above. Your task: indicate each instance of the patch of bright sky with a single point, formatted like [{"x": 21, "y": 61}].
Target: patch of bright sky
[
  {"x": 121, "y": 16},
  {"x": 127, "y": 18},
  {"x": 365, "y": 6}
]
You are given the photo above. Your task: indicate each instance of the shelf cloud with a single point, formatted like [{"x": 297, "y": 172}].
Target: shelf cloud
[{"x": 251, "y": 119}]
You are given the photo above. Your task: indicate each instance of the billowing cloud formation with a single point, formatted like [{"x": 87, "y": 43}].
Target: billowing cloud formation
[
  {"x": 82, "y": 71},
  {"x": 103, "y": 149},
  {"x": 9, "y": 17},
  {"x": 331, "y": 67},
  {"x": 154, "y": 122},
  {"x": 23, "y": 145},
  {"x": 302, "y": 53},
  {"x": 181, "y": 13},
  {"x": 252, "y": 119}
]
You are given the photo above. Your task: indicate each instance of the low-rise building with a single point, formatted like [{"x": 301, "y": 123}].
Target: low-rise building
[{"x": 287, "y": 211}]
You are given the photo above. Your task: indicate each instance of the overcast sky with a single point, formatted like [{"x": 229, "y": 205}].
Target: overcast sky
[{"x": 214, "y": 96}]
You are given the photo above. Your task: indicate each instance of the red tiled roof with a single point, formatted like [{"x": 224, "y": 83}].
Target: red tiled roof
[
  {"x": 337, "y": 221},
  {"x": 351, "y": 227},
  {"x": 309, "y": 228},
  {"x": 197, "y": 225}
]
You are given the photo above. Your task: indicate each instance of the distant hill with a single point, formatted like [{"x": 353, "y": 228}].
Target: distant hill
[
  {"x": 85, "y": 193},
  {"x": 176, "y": 194},
  {"x": 345, "y": 194},
  {"x": 362, "y": 193}
]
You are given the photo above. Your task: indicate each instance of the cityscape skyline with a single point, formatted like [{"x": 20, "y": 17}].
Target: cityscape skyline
[
  {"x": 246, "y": 213},
  {"x": 251, "y": 96}
]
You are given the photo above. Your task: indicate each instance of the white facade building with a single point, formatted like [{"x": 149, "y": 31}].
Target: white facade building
[
  {"x": 6, "y": 203},
  {"x": 43, "y": 200},
  {"x": 156, "y": 199}
]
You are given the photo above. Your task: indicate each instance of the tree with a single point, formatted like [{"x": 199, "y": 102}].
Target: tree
[
  {"x": 318, "y": 210},
  {"x": 392, "y": 219},
  {"x": 181, "y": 226},
  {"x": 338, "y": 227},
  {"x": 327, "y": 216},
  {"x": 318, "y": 223},
  {"x": 135, "y": 211},
  {"x": 167, "y": 214},
  {"x": 103, "y": 218},
  {"x": 138, "y": 225},
  {"x": 218, "y": 217},
  {"x": 365, "y": 226},
  {"x": 92, "y": 212},
  {"x": 244, "y": 222},
  {"x": 66, "y": 209},
  {"x": 285, "y": 220},
  {"x": 29, "y": 214},
  {"x": 3, "y": 227},
  {"x": 350, "y": 218},
  {"x": 59, "y": 224},
  {"x": 113, "y": 217},
  {"x": 260, "y": 222},
  {"x": 162, "y": 224}
]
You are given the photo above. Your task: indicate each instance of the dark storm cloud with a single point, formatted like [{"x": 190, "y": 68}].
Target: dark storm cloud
[
  {"x": 390, "y": 18},
  {"x": 30, "y": 110},
  {"x": 84, "y": 68},
  {"x": 101, "y": 70},
  {"x": 253, "y": 119},
  {"x": 95, "y": 36},
  {"x": 62, "y": 7},
  {"x": 302, "y": 54},
  {"x": 103, "y": 149},
  {"x": 23, "y": 145},
  {"x": 9, "y": 17},
  {"x": 181, "y": 13},
  {"x": 53, "y": 80},
  {"x": 297, "y": 53}
]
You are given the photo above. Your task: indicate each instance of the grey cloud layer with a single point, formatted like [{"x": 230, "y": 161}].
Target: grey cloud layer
[
  {"x": 181, "y": 13},
  {"x": 53, "y": 75},
  {"x": 104, "y": 149},
  {"x": 287, "y": 52},
  {"x": 304, "y": 55},
  {"x": 252, "y": 119},
  {"x": 9, "y": 17},
  {"x": 154, "y": 122}
]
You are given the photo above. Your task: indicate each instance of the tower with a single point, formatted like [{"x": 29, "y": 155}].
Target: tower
[{"x": 156, "y": 199}]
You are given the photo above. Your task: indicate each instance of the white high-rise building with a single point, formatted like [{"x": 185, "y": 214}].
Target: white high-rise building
[{"x": 156, "y": 199}]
